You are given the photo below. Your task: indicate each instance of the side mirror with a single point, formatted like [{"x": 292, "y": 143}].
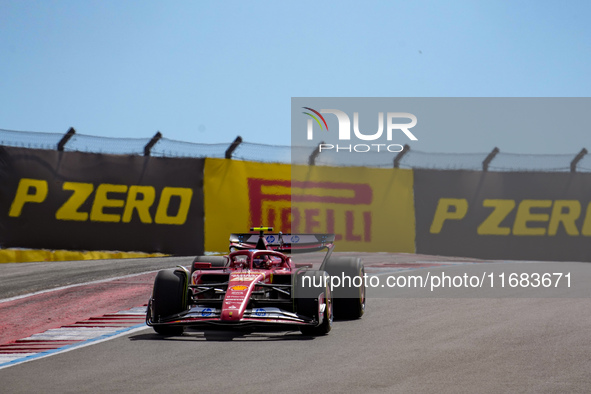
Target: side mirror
[{"x": 197, "y": 265}]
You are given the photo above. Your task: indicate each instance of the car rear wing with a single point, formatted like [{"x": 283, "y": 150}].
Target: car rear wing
[{"x": 285, "y": 243}]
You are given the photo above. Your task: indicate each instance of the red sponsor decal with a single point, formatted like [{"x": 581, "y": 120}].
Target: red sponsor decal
[{"x": 312, "y": 220}]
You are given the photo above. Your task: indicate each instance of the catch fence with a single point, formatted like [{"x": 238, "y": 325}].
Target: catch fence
[{"x": 159, "y": 146}]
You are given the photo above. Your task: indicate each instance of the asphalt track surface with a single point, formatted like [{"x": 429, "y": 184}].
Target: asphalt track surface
[{"x": 426, "y": 345}]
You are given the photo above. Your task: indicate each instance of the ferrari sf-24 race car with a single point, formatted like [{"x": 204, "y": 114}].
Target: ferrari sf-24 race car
[{"x": 258, "y": 285}]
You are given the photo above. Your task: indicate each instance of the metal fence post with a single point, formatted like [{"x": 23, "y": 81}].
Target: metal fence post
[
  {"x": 65, "y": 139},
  {"x": 400, "y": 155},
  {"x": 150, "y": 145},
  {"x": 577, "y": 159},
  {"x": 314, "y": 155},
  {"x": 233, "y": 147},
  {"x": 489, "y": 158}
]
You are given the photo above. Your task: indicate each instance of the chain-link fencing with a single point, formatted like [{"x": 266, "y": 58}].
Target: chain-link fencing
[{"x": 160, "y": 146}]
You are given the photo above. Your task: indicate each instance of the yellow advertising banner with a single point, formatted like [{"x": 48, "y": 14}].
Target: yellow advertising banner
[{"x": 368, "y": 209}]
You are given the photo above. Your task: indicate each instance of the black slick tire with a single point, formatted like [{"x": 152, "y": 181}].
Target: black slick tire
[
  {"x": 216, "y": 261},
  {"x": 349, "y": 301},
  {"x": 169, "y": 297},
  {"x": 307, "y": 299}
]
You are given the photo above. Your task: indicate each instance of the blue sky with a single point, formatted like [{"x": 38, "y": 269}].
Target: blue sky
[{"x": 205, "y": 71}]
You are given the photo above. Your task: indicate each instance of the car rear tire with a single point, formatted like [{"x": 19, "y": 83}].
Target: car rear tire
[
  {"x": 216, "y": 261},
  {"x": 169, "y": 297},
  {"x": 307, "y": 299},
  {"x": 349, "y": 302}
]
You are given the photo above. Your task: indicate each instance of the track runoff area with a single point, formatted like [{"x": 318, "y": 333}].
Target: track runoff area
[{"x": 493, "y": 325}]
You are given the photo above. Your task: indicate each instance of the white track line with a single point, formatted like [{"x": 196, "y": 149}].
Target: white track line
[
  {"x": 85, "y": 335},
  {"x": 74, "y": 285}
]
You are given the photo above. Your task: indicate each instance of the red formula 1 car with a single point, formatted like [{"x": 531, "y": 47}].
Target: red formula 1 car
[{"x": 258, "y": 285}]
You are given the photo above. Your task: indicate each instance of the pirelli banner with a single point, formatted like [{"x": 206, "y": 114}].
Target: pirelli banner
[
  {"x": 84, "y": 201},
  {"x": 502, "y": 215},
  {"x": 369, "y": 209}
]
